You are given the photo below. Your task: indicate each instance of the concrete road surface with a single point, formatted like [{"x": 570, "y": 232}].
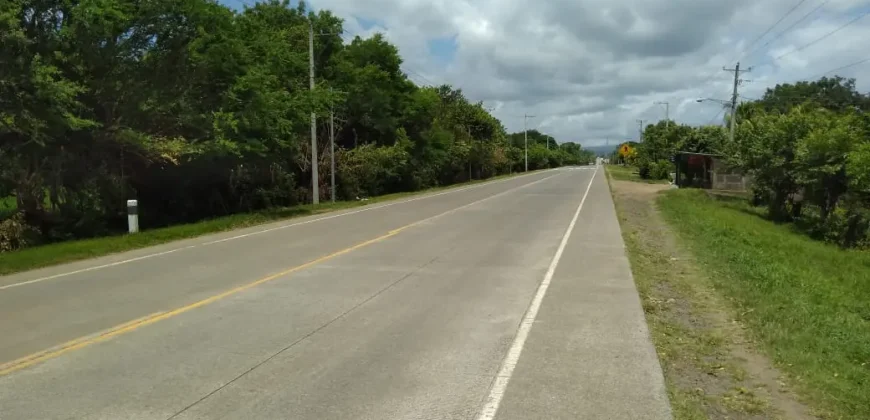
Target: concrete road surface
[{"x": 511, "y": 299}]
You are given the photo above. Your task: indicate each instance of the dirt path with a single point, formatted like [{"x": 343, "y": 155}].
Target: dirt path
[{"x": 712, "y": 371}]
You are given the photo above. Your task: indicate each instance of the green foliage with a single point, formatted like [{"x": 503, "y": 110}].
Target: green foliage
[
  {"x": 808, "y": 166},
  {"x": 199, "y": 111},
  {"x": 833, "y": 93},
  {"x": 661, "y": 141},
  {"x": 661, "y": 170},
  {"x": 16, "y": 234},
  {"x": 766, "y": 149},
  {"x": 654, "y": 170},
  {"x": 806, "y": 148},
  {"x": 370, "y": 170}
]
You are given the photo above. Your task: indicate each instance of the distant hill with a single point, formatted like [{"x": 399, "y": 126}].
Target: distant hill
[{"x": 602, "y": 150}]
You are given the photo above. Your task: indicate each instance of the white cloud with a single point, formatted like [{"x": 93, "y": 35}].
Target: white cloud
[{"x": 589, "y": 69}]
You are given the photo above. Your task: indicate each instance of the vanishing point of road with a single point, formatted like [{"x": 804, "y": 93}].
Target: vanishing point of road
[{"x": 510, "y": 299}]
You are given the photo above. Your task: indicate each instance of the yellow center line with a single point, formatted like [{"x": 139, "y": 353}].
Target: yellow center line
[
  {"x": 135, "y": 324},
  {"x": 76, "y": 344}
]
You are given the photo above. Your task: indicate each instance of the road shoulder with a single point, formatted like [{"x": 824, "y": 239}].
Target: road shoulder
[{"x": 589, "y": 353}]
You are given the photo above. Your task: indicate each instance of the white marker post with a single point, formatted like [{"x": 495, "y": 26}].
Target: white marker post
[{"x": 133, "y": 215}]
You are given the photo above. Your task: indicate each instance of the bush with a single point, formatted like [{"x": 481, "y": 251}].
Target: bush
[
  {"x": 369, "y": 170},
  {"x": 644, "y": 168},
  {"x": 847, "y": 226},
  {"x": 654, "y": 170},
  {"x": 16, "y": 234},
  {"x": 661, "y": 170}
]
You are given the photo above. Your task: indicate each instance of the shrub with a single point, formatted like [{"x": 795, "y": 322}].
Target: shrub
[
  {"x": 370, "y": 170},
  {"x": 16, "y": 234},
  {"x": 654, "y": 170},
  {"x": 661, "y": 170},
  {"x": 644, "y": 168},
  {"x": 847, "y": 226}
]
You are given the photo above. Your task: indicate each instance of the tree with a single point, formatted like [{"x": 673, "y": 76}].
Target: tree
[
  {"x": 836, "y": 94},
  {"x": 200, "y": 111}
]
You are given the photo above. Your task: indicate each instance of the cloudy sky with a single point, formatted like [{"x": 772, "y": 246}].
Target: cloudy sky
[{"x": 588, "y": 69}]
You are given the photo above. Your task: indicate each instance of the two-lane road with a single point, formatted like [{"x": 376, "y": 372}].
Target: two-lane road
[{"x": 509, "y": 299}]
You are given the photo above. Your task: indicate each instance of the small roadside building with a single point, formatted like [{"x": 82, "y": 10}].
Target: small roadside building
[{"x": 709, "y": 171}]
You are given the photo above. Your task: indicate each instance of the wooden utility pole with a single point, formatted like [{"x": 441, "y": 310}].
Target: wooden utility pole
[
  {"x": 315, "y": 192},
  {"x": 737, "y": 81},
  {"x": 332, "y": 152},
  {"x": 640, "y": 131},
  {"x": 667, "y": 112}
]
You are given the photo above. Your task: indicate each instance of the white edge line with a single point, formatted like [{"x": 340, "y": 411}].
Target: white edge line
[
  {"x": 96, "y": 267},
  {"x": 333, "y": 216},
  {"x": 499, "y": 385}
]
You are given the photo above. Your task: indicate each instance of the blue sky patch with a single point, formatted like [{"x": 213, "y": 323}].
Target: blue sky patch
[{"x": 443, "y": 49}]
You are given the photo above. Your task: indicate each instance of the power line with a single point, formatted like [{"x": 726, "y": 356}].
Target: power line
[
  {"x": 811, "y": 78},
  {"x": 824, "y": 36},
  {"x": 420, "y": 76},
  {"x": 715, "y": 116},
  {"x": 786, "y": 30},
  {"x": 817, "y": 75},
  {"x": 415, "y": 80},
  {"x": 839, "y": 68},
  {"x": 773, "y": 26},
  {"x": 783, "y": 32},
  {"x": 790, "y": 11}
]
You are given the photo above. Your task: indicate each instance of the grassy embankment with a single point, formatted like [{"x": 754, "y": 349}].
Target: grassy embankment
[{"x": 806, "y": 303}]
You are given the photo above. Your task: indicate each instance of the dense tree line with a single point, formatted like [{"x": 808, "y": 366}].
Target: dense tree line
[
  {"x": 805, "y": 145},
  {"x": 199, "y": 111}
]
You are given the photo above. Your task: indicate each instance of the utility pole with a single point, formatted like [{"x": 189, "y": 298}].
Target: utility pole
[
  {"x": 332, "y": 152},
  {"x": 640, "y": 131},
  {"x": 737, "y": 81},
  {"x": 470, "y": 143},
  {"x": 667, "y": 112},
  {"x": 526, "y": 130},
  {"x": 510, "y": 144},
  {"x": 332, "y": 141},
  {"x": 315, "y": 193}
]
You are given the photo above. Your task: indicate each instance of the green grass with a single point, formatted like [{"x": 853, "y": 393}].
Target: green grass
[
  {"x": 629, "y": 173},
  {"x": 63, "y": 252},
  {"x": 806, "y": 303},
  {"x": 8, "y": 206}
]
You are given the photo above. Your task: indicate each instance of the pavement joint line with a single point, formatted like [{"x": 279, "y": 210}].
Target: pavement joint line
[
  {"x": 332, "y": 216},
  {"x": 500, "y": 382},
  {"x": 135, "y": 324},
  {"x": 301, "y": 339}
]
